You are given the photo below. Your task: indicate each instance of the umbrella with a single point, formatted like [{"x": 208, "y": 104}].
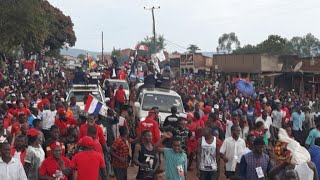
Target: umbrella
[{"x": 245, "y": 87}]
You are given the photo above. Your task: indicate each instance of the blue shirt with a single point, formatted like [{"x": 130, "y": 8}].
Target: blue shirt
[
  {"x": 315, "y": 155},
  {"x": 30, "y": 120},
  {"x": 313, "y": 135},
  {"x": 297, "y": 120},
  {"x": 172, "y": 162}
]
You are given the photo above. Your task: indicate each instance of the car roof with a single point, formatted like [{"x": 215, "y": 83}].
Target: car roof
[
  {"x": 159, "y": 91},
  {"x": 89, "y": 87},
  {"x": 116, "y": 80}
]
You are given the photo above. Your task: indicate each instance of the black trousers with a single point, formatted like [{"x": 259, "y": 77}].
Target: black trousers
[{"x": 121, "y": 173}]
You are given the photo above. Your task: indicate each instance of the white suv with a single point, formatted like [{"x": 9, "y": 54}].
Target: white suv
[
  {"x": 80, "y": 91},
  {"x": 164, "y": 99}
]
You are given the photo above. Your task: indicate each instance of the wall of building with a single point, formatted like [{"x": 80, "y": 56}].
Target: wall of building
[
  {"x": 246, "y": 63},
  {"x": 271, "y": 63}
]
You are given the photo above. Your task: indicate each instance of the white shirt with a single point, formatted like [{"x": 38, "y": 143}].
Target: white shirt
[
  {"x": 229, "y": 124},
  {"x": 245, "y": 151},
  {"x": 48, "y": 118},
  {"x": 277, "y": 117},
  {"x": 12, "y": 171},
  {"x": 267, "y": 123},
  {"x": 232, "y": 149}
]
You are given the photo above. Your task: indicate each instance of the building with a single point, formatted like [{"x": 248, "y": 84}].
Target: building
[
  {"x": 283, "y": 71},
  {"x": 195, "y": 63}
]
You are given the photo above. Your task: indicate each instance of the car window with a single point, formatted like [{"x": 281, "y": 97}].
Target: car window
[
  {"x": 162, "y": 101},
  {"x": 124, "y": 84},
  {"x": 81, "y": 94}
]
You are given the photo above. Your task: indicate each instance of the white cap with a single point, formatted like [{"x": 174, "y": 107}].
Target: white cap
[{"x": 216, "y": 106}]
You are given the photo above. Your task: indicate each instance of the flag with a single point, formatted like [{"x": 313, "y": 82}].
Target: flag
[
  {"x": 94, "y": 106},
  {"x": 93, "y": 65},
  {"x": 160, "y": 55}
]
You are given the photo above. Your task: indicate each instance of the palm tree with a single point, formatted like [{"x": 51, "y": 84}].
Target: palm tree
[{"x": 193, "y": 48}]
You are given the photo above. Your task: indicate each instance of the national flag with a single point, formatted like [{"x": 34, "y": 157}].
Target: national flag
[
  {"x": 94, "y": 106},
  {"x": 93, "y": 65}
]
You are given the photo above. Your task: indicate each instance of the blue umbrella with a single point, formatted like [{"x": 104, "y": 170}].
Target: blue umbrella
[{"x": 246, "y": 88}]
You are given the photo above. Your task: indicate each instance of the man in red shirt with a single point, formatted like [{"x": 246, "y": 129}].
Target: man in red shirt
[
  {"x": 87, "y": 162},
  {"x": 91, "y": 121},
  {"x": 18, "y": 150},
  {"x": 55, "y": 166},
  {"x": 150, "y": 124},
  {"x": 120, "y": 97},
  {"x": 54, "y": 137},
  {"x": 64, "y": 122},
  {"x": 22, "y": 110},
  {"x": 121, "y": 154},
  {"x": 16, "y": 127}
]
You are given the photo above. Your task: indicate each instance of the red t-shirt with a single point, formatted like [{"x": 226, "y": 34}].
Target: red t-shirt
[
  {"x": 151, "y": 125},
  {"x": 42, "y": 103},
  {"x": 23, "y": 111},
  {"x": 50, "y": 165},
  {"x": 99, "y": 135},
  {"x": 87, "y": 164},
  {"x": 12, "y": 111},
  {"x": 7, "y": 120},
  {"x": 63, "y": 126},
  {"x": 120, "y": 95},
  {"x": 16, "y": 128}
]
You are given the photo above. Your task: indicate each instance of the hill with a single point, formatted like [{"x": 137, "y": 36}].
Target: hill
[{"x": 75, "y": 52}]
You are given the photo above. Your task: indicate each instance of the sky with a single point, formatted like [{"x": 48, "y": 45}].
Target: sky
[{"x": 185, "y": 22}]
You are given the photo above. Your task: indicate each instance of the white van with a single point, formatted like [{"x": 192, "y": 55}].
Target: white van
[{"x": 164, "y": 99}]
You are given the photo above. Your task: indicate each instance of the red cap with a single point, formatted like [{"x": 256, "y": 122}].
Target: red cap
[
  {"x": 61, "y": 111},
  {"x": 86, "y": 141},
  {"x": 33, "y": 132},
  {"x": 55, "y": 144},
  {"x": 207, "y": 109}
]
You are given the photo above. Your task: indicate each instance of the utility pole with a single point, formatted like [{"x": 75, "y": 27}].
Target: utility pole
[
  {"x": 153, "y": 26},
  {"x": 102, "y": 57}
]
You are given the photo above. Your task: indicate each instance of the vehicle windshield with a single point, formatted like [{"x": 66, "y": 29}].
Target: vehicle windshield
[
  {"x": 81, "y": 94},
  {"x": 163, "y": 102},
  {"x": 117, "y": 83}
]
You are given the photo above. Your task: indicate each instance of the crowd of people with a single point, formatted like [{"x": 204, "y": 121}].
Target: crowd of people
[{"x": 222, "y": 133}]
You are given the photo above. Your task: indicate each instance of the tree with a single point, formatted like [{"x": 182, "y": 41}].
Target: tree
[
  {"x": 193, "y": 48},
  {"x": 23, "y": 24},
  {"x": 33, "y": 25},
  {"x": 305, "y": 46},
  {"x": 160, "y": 44},
  {"x": 275, "y": 44},
  {"x": 246, "y": 49},
  {"x": 116, "y": 52},
  {"x": 228, "y": 42},
  {"x": 61, "y": 34}
]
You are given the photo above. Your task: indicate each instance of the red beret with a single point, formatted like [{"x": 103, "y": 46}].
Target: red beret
[
  {"x": 86, "y": 141},
  {"x": 33, "y": 132},
  {"x": 61, "y": 111},
  {"x": 55, "y": 144}
]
